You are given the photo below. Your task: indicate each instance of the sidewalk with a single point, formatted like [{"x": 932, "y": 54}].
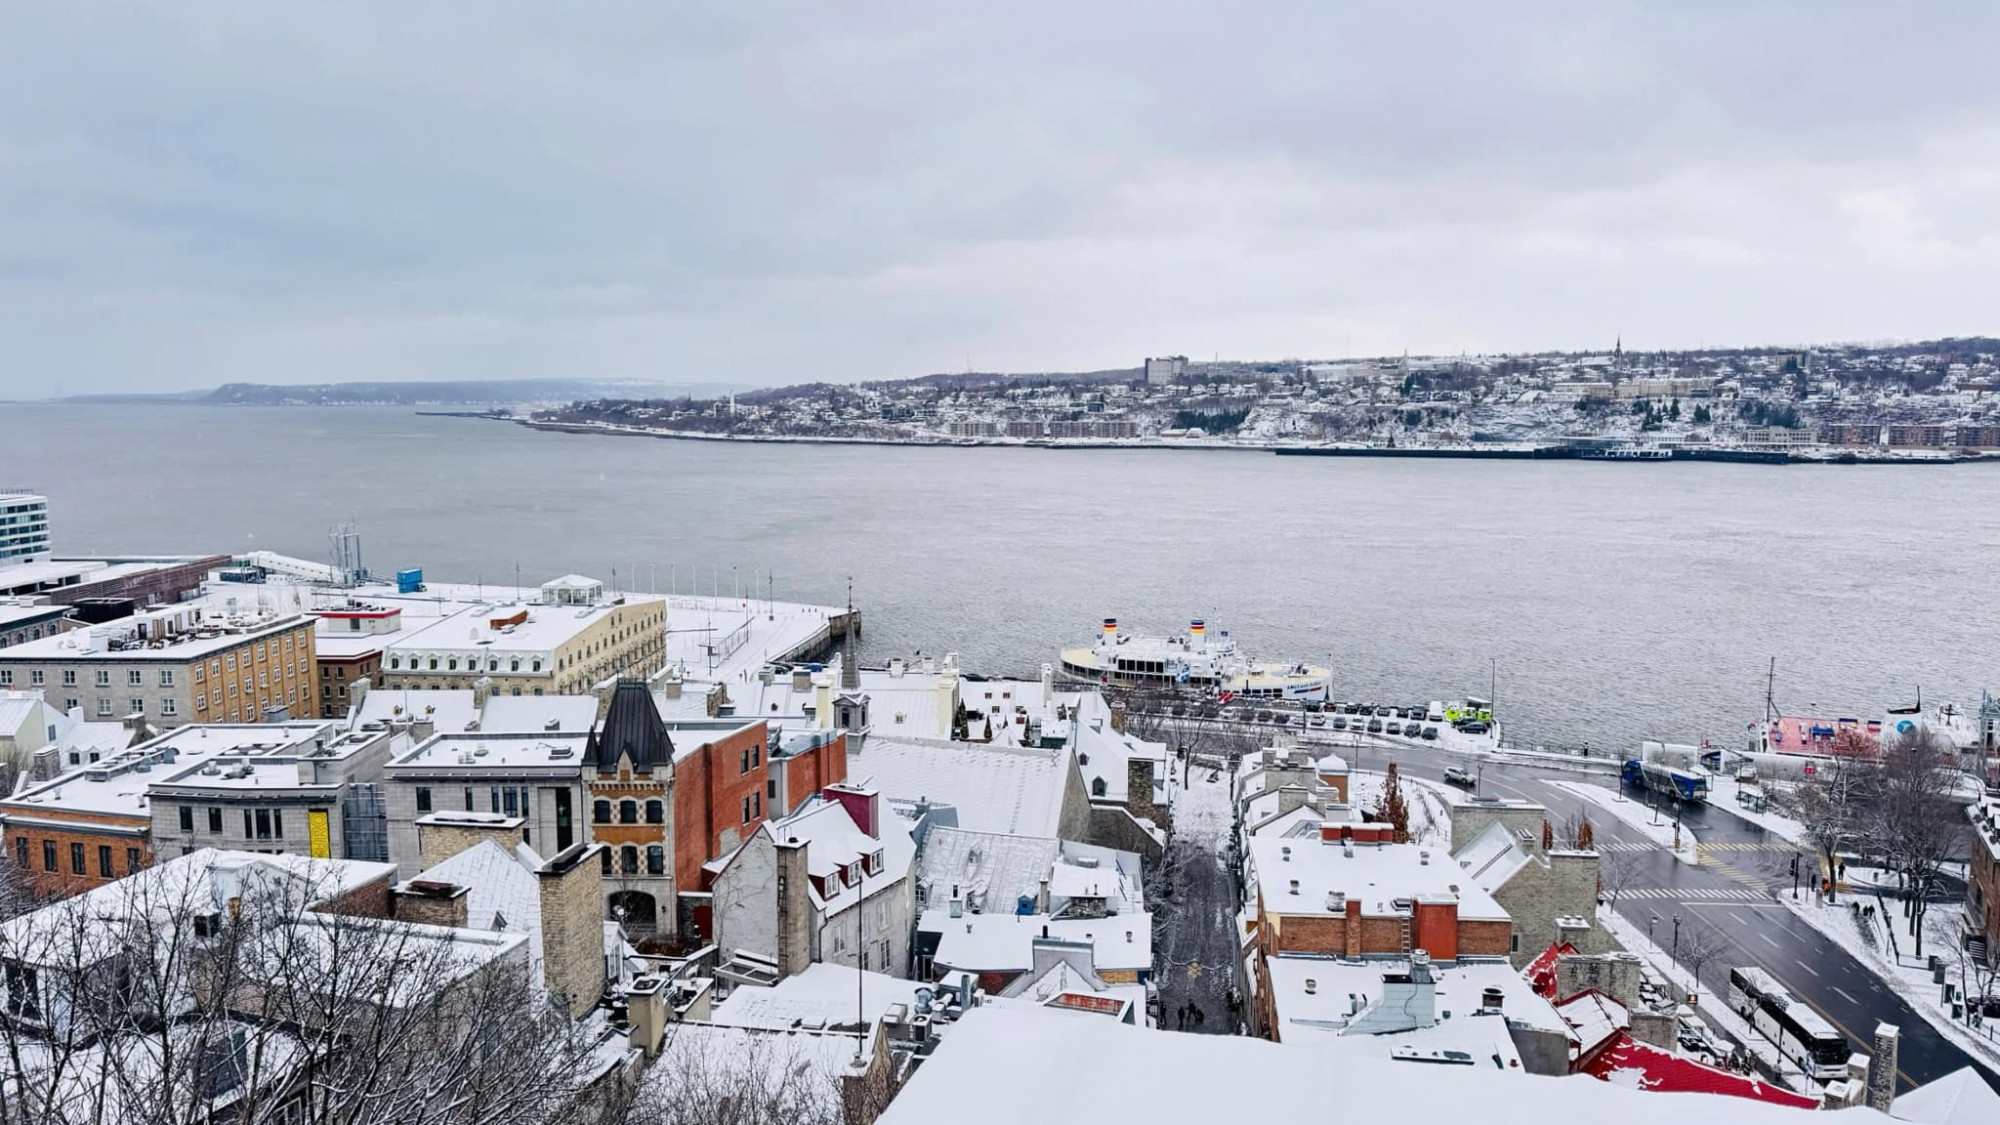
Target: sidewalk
[
  {"x": 1871, "y": 944},
  {"x": 1658, "y": 828}
]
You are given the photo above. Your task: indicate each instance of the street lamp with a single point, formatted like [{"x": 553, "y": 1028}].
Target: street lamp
[{"x": 1677, "y": 937}]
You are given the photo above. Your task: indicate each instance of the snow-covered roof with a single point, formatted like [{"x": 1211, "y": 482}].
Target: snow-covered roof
[
  {"x": 819, "y": 997},
  {"x": 1064, "y": 1064},
  {"x": 1002, "y": 943},
  {"x": 502, "y": 893},
  {"x": 994, "y": 788},
  {"x": 1492, "y": 857},
  {"x": 834, "y": 844},
  {"x": 1295, "y": 877},
  {"x": 1634, "y": 1065},
  {"x": 1959, "y": 1098},
  {"x": 1311, "y": 993},
  {"x": 1594, "y": 1020},
  {"x": 1105, "y": 754},
  {"x": 991, "y": 870}
]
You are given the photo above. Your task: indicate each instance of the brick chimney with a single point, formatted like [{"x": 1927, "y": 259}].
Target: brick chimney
[
  {"x": 443, "y": 835},
  {"x": 794, "y": 908},
  {"x": 864, "y": 805},
  {"x": 572, "y": 901},
  {"x": 430, "y": 903}
]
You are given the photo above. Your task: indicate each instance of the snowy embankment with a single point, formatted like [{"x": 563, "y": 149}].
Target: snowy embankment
[
  {"x": 1722, "y": 795},
  {"x": 1428, "y": 802},
  {"x": 1866, "y": 940},
  {"x": 1712, "y": 1007},
  {"x": 1657, "y": 824}
]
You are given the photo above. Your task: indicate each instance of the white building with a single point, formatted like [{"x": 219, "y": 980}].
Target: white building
[
  {"x": 24, "y": 528},
  {"x": 858, "y": 894}
]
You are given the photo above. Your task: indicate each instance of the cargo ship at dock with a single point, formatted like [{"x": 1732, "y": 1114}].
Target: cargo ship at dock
[{"x": 1193, "y": 662}]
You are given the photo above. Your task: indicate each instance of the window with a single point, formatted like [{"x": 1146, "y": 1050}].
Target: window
[
  {"x": 656, "y": 860},
  {"x": 1514, "y": 944},
  {"x": 756, "y": 754},
  {"x": 756, "y": 804},
  {"x": 232, "y": 662},
  {"x": 600, "y": 811},
  {"x": 512, "y": 803},
  {"x": 201, "y": 701},
  {"x": 656, "y": 812},
  {"x": 70, "y": 704},
  {"x": 104, "y": 861},
  {"x": 76, "y": 866},
  {"x": 69, "y": 677},
  {"x": 743, "y": 762},
  {"x": 628, "y": 811},
  {"x": 138, "y": 706},
  {"x": 604, "y": 858},
  {"x": 746, "y": 810},
  {"x": 1097, "y": 787},
  {"x": 771, "y": 789},
  {"x": 248, "y": 825},
  {"x": 103, "y": 706},
  {"x": 104, "y": 677},
  {"x": 278, "y": 824},
  {"x": 134, "y": 677},
  {"x": 131, "y": 861},
  {"x": 468, "y": 798},
  {"x": 23, "y": 992},
  {"x": 166, "y": 677},
  {"x": 187, "y": 818},
  {"x": 48, "y": 855},
  {"x": 565, "y": 836},
  {"x": 6, "y": 677},
  {"x": 215, "y": 820},
  {"x": 628, "y": 858},
  {"x": 263, "y": 824},
  {"x": 423, "y": 798},
  {"x": 170, "y": 707},
  {"x": 21, "y": 852},
  {"x": 36, "y": 677}
]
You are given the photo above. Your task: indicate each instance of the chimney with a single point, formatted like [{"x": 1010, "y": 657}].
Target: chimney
[
  {"x": 801, "y": 678},
  {"x": 670, "y": 686},
  {"x": 1042, "y": 903},
  {"x": 356, "y": 693},
  {"x": 646, "y": 1011},
  {"x": 1408, "y": 1001},
  {"x": 718, "y": 698},
  {"x": 572, "y": 901},
  {"x": 482, "y": 690},
  {"x": 430, "y": 903},
  {"x": 443, "y": 835},
  {"x": 1290, "y": 798},
  {"x": 794, "y": 909},
  {"x": 421, "y": 731},
  {"x": 1882, "y": 1068},
  {"x": 1048, "y": 682},
  {"x": 863, "y": 805},
  {"x": 1118, "y": 715}
]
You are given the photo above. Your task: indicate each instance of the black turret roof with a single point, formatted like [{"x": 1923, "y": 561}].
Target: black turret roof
[{"x": 632, "y": 727}]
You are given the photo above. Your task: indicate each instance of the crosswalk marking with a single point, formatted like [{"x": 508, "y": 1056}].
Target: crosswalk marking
[
  {"x": 1730, "y": 894},
  {"x": 1747, "y": 847}
]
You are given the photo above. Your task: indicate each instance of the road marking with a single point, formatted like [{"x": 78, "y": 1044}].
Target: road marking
[
  {"x": 1767, "y": 937},
  {"x": 1806, "y": 967},
  {"x": 1844, "y": 995},
  {"x": 1740, "y": 920}
]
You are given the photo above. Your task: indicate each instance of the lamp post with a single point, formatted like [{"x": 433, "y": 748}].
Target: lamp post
[{"x": 1677, "y": 937}]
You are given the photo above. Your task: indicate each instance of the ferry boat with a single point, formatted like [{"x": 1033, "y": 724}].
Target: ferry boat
[
  {"x": 1191, "y": 661},
  {"x": 1627, "y": 453}
]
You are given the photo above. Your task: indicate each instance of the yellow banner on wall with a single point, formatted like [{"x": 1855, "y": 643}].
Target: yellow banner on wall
[{"x": 318, "y": 834}]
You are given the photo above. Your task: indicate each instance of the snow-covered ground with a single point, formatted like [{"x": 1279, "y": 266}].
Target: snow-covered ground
[
  {"x": 1901, "y": 972},
  {"x": 1658, "y": 825},
  {"x": 1712, "y": 1008},
  {"x": 1430, "y": 806},
  {"x": 1202, "y": 814},
  {"x": 1722, "y": 795}
]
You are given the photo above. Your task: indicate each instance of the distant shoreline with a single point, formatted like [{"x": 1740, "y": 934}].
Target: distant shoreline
[{"x": 1523, "y": 451}]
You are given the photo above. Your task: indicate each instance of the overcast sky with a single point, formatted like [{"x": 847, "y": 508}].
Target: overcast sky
[{"x": 199, "y": 193}]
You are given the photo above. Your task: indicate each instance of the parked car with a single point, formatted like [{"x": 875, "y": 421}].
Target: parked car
[
  {"x": 1392, "y": 727},
  {"x": 1282, "y": 718},
  {"x": 1340, "y": 722},
  {"x": 1456, "y": 775},
  {"x": 1263, "y": 716},
  {"x": 1475, "y": 726},
  {"x": 1430, "y": 734},
  {"x": 1374, "y": 726}
]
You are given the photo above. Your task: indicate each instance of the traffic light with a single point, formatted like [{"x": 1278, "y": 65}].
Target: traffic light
[{"x": 1795, "y": 867}]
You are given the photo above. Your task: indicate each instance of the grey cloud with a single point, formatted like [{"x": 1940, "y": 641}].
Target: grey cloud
[{"x": 774, "y": 193}]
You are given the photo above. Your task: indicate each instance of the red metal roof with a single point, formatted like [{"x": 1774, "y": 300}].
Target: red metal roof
[
  {"x": 1628, "y": 1062},
  {"x": 1541, "y": 972}
]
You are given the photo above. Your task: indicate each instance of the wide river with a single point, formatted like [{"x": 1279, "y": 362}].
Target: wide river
[{"x": 1604, "y": 602}]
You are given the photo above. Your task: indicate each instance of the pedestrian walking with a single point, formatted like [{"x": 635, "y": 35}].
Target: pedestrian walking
[
  {"x": 1198, "y": 1017},
  {"x": 1180, "y": 1018}
]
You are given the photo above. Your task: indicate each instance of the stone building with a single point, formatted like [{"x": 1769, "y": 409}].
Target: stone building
[
  {"x": 1550, "y": 893},
  {"x": 570, "y": 642}
]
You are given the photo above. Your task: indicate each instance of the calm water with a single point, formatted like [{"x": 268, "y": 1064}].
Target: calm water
[{"x": 1611, "y": 602}]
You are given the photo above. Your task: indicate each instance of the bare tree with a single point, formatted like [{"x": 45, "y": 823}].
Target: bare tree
[
  {"x": 751, "y": 1080},
  {"x": 180, "y": 995},
  {"x": 1825, "y": 803},
  {"x": 1697, "y": 944},
  {"x": 1912, "y": 817},
  {"x": 1616, "y": 872}
]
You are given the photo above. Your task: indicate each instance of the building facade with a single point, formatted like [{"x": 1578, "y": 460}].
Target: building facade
[
  {"x": 173, "y": 666},
  {"x": 570, "y": 642},
  {"x": 24, "y": 528}
]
